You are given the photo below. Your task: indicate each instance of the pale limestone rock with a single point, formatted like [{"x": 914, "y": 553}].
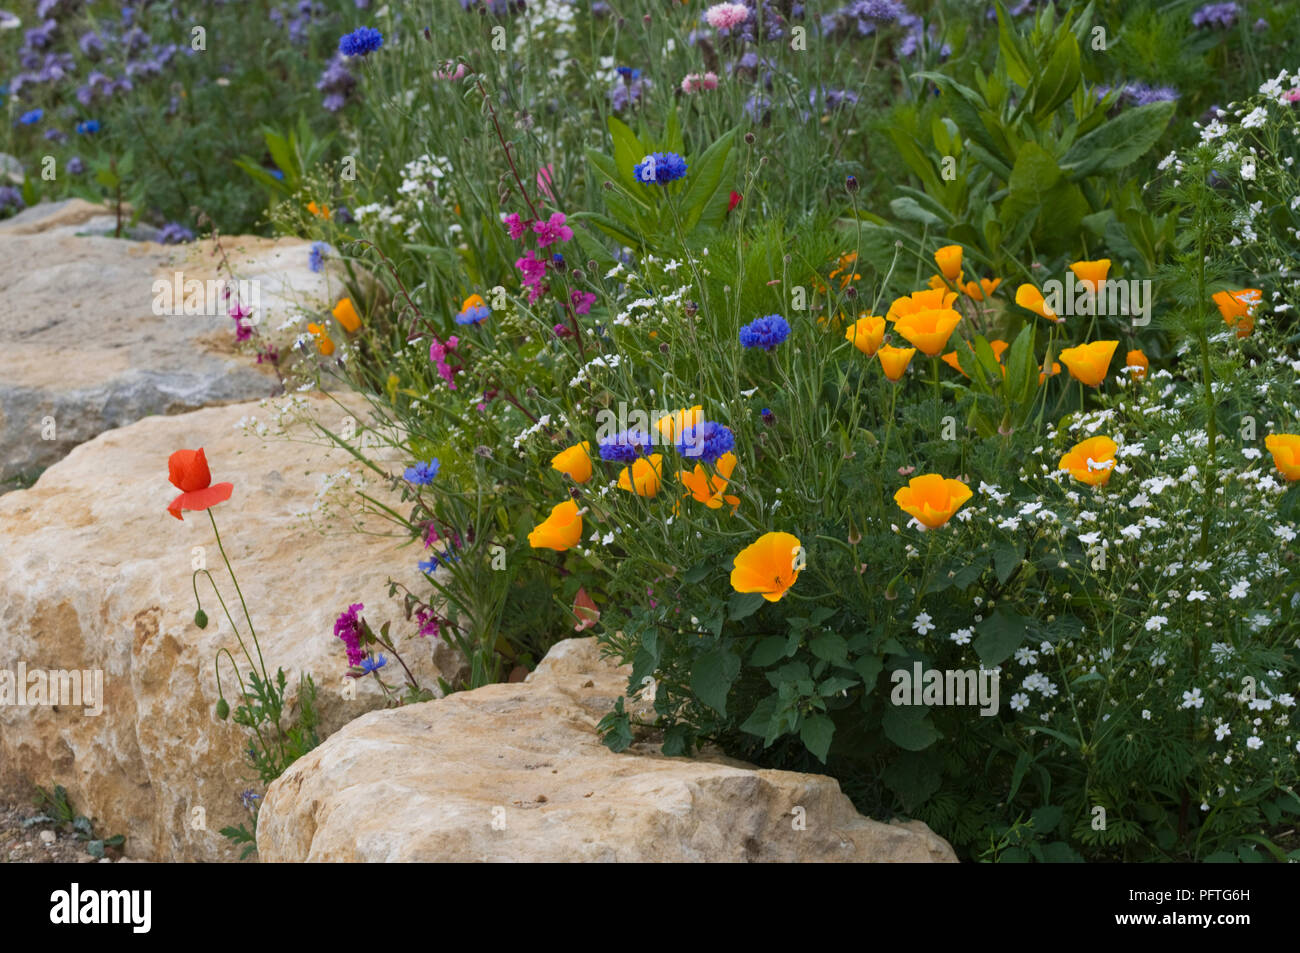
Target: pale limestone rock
[
  {"x": 427, "y": 782},
  {"x": 94, "y": 574},
  {"x": 84, "y": 350}
]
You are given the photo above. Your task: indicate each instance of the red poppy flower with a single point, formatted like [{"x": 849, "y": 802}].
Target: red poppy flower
[
  {"x": 733, "y": 200},
  {"x": 188, "y": 471}
]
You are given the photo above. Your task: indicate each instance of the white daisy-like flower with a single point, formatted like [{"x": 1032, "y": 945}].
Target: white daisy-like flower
[
  {"x": 1019, "y": 701},
  {"x": 923, "y": 624},
  {"x": 1156, "y": 623},
  {"x": 1193, "y": 699}
]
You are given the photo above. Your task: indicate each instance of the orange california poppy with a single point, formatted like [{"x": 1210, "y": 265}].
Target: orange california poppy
[
  {"x": 929, "y": 330},
  {"x": 673, "y": 425},
  {"x": 1031, "y": 299},
  {"x": 1137, "y": 364},
  {"x": 559, "y": 531},
  {"x": 932, "y": 499},
  {"x": 1285, "y": 448},
  {"x": 320, "y": 211},
  {"x": 984, "y": 288},
  {"x": 1089, "y": 363},
  {"x": 644, "y": 477},
  {"x": 1043, "y": 375},
  {"x": 1238, "y": 308},
  {"x": 1091, "y": 461},
  {"x": 575, "y": 462},
  {"x": 930, "y": 300},
  {"x": 954, "y": 362},
  {"x": 948, "y": 258},
  {"x": 1091, "y": 274},
  {"x": 188, "y": 472},
  {"x": 894, "y": 360},
  {"x": 346, "y": 314},
  {"x": 768, "y": 566},
  {"x": 323, "y": 340},
  {"x": 867, "y": 334},
  {"x": 708, "y": 489}
]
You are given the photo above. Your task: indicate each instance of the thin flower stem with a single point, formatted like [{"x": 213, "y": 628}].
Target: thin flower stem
[{"x": 256, "y": 644}]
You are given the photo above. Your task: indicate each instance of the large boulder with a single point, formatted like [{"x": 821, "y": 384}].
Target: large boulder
[
  {"x": 96, "y": 576},
  {"x": 86, "y": 347},
  {"x": 516, "y": 772}
]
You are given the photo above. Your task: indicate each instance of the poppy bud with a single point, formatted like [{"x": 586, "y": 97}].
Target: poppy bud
[
  {"x": 223, "y": 709},
  {"x": 749, "y": 138},
  {"x": 201, "y": 619},
  {"x": 592, "y": 265}
]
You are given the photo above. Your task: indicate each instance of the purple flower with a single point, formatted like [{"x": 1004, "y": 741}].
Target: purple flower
[
  {"x": 1222, "y": 15},
  {"x": 349, "y": 628},
  {"x": 316, "y": 257},
  {"x": 551, "y": 231},
  {"x": 173, "y": 233},
  {"x": 659, "y": 168},
  {"x": 625, "y": 447},
  {"x": 706, "y": 441},
  {"x": 337, "y": 83}
]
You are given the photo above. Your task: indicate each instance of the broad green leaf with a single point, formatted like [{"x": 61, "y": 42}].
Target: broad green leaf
[
  {"x": 1120, "y": 141},
  {"x": 702, "y": 179},
  {"x": 999, "y": 635},
  {"x": 712, "y": 675},
  {"x": 909, "y": 726},
  {"x": 816, "y": 733}
]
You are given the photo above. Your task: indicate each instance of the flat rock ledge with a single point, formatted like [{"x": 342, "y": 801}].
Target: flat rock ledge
[{"x": 516, "y": 772}]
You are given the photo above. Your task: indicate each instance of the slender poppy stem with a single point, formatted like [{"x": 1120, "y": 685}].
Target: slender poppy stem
[{"x": 249, "y": 619}]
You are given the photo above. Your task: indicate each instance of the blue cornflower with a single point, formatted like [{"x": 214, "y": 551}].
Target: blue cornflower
[
  {"x": 660, "y": 168},
  {"x": 276, "y": 174},
  {"x": 249, "y": 798},
  {"x": 373, "y": 664},
  {"x": 361, "y": 42},
  {"x": 766, "y": 332},
  {"x": 316, "y": 257},
  {"x": 768, "y": 416},
  {"x": 428, "y": 565},
  {"x": 172, "y": 233},
  {"x": 31, "y": 118},
  {"x": 422, "y": 474},
  {"x": 627, "y": 72},
  {"x": 706, "y": 441},
  {"x": 626, "y": 446},
  {"x": 88, "y": 127},
  {"x": 474, "y": 314}
]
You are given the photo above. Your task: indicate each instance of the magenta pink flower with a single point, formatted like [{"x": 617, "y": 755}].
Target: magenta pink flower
[
  {"x": 517, "y": 227},
  {"x": 726, "y": 16},
  {"x": 582, "y": 301},
  {"x": 459, "y": 73},
  {"x": 552, "y": 231}
]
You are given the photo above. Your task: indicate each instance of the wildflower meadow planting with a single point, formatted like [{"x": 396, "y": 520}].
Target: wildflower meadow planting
[{"x": 878, "y": 418}]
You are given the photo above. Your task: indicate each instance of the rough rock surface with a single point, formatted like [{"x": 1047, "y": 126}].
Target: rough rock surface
[
  {"x": 516, "y": 772},
  {"x": 94, "y": 574},
  {"x": 84, "y": 350}
]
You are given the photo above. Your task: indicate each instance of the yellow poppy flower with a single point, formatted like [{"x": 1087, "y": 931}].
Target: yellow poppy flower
[
  {"x": 1092, "y": 274},
  {"x": 984, "y": 288},
  {"x": 894, "y": 360},
  {"x": 1031, "y": 299},
  {"x": 644, "y": 477},
  {"x": 1285, "y": 448},
  {"x": 320, "y": 211},
  {"x": 708, "y": 489},
  {"x": 928, "y": 330},
  {"x": 931, "y": 300},
  {"x": 672, "y": 426},
  {"x": 559, "y": 531},
  {"x": 1238, "y": 308},
  {"x": 767, "y": 566},
  {"x": 867, "y": 334},
  {"x": 346, "y": 315},
  {"x": 1091, "y": 461},
  {"x": 932, "y": 499},
  {"x": 1089, "y": 362},
  {"x": 1137, "y": 364},
  {"x": 948, "y": 258},
  {"x": 323, "y": 340},
  {"x": 575, "y": 462}
]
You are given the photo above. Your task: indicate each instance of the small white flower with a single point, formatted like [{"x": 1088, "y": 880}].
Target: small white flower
[
  {"x": 923, "y": 624},
  {"x": 1254, "y": 742},
  {"x": 1197, "y": 595},
  {"x": 1193, "y": 699},
  {"x": 962, "y": 636},
  {"x": 1239, "y": 589},
  {"x": 1019, "y": 701},
  {"x": 1221, "y": 732},
  {"x": 1156, "y": 623}
]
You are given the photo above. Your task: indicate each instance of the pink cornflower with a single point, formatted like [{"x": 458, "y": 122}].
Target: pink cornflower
[
  {"x": 726, "y": 16},
  {"x": 459, "y": 73},
  {"x": 695, "y": 82},
  {"x": 582, "y": 301}
]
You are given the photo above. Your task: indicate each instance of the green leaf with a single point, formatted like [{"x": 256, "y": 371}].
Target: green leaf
[
  {"x": 1118, "y": 142},
  {"x": 769, "y": 650},
  {"x": 95, "y": 848},
  {"x": 760, "y": 718},
  {"x": 627, "y": 152},
  {"x": 1022, "y": 366},
  {"x": 703, "y": 178},
  {"x": 816, "y": 733},
  {"x": 914, "y": 777},
  {"x": 1006, "y": 557},
  {"x": 1060, "y": 77},
  {"x": 743, "y": 605},
  {"x": 830, "y": 646},
  {"x": 834, "y": 685},
  {"x": 999, "y": 636},
  {"x": 868, "y": 667},
  {"x": 909, "y": 726},
  {"x": 615, "y": 728},
  {"x": 712, "y": 675}
]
